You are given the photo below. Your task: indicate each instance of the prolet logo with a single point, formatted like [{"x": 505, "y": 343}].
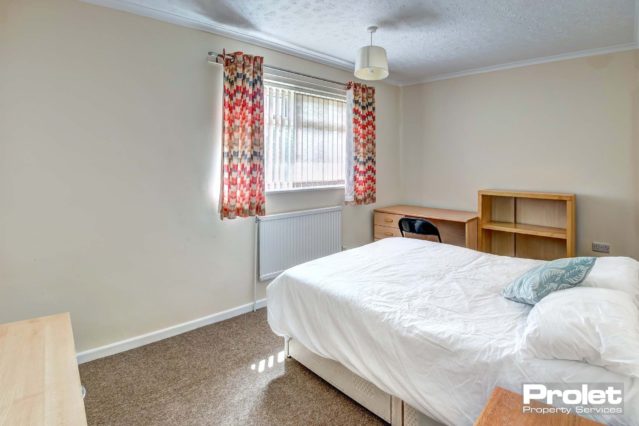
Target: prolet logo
[{"x": 584, "y": 398}]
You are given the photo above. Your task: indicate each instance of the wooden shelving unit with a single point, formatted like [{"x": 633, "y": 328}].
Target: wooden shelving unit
[{"x": 537, "y": 225}]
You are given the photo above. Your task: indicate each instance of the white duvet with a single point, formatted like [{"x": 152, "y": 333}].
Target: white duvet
[{"x": 425, "y": 322}]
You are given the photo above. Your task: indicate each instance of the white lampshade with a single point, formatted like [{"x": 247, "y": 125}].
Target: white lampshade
[{"x": 371, "y": 63}]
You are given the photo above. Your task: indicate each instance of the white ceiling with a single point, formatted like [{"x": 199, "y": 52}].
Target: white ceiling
[{"x": 425, "y": 40}]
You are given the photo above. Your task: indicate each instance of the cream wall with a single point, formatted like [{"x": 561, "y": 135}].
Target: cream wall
[
  {"x": 109, "y": 160},
  {"x": 564, "y": 126},
  {"x": 109, "y": 153}
]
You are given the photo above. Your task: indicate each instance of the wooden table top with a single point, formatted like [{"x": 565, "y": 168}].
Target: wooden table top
[
  {"x": 39, "y": 378},
  {"x": 505, "y": 409},
  {"x": 430, "y": 213}
]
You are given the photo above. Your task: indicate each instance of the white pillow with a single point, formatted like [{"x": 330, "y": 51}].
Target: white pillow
[
  {"x": 595, "y": 325},
  {"x": 616, "y": 273}
]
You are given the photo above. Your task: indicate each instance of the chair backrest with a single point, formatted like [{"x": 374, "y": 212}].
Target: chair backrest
[{"x": 418, "y": 226}]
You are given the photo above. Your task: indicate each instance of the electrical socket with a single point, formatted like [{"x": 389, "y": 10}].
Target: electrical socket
[{"x": 600, "y": 247}]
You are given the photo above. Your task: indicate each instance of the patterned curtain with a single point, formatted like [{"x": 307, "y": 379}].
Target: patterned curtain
[
  {"x": 242, "y": 191},
  {"x": 361, "y": 171}
]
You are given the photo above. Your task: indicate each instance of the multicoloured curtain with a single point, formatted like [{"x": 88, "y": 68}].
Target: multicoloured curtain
[
  {"x": 242, "y": 191},
  {"x": 361, "y": 167}
]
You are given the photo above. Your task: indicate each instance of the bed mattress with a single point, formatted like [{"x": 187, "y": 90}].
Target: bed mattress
[{"x": 424, "y": 322}]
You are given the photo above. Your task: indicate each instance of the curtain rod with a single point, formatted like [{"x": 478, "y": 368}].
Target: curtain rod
[{"x": 213, "y": 56}]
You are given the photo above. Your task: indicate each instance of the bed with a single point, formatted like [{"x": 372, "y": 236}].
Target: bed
[{"x": 423, "y": 323}]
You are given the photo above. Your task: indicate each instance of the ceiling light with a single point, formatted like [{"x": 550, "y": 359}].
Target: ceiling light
[{"x": 371, "y": 62}]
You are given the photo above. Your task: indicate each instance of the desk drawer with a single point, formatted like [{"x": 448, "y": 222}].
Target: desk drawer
[
  {"x": 387, "y": 219},
  {"x": 386, "y": 232}
]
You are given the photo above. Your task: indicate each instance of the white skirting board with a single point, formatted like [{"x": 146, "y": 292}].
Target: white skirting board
[{"x": 154, "y": 336}]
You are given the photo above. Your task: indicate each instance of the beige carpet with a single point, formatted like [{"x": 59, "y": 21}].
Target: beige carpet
[{"x": 211, "y": 376}]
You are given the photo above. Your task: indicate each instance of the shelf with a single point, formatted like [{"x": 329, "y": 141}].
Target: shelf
[
  {"x": 521, "y": 228},
  {"x": 530, "y": 194},
  {"x": 507, "y": 214}
]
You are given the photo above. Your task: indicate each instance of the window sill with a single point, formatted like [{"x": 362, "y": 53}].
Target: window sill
[{"x": 311, "y": 189}]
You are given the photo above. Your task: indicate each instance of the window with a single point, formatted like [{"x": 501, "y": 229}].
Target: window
[{"x": 304, "y": 137}]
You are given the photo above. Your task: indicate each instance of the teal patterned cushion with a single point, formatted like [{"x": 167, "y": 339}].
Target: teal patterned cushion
[{"x": 539, "y": 282}]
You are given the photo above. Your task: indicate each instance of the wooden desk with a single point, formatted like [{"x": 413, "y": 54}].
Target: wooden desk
[
  {"x": 455, "y": 226},
  {"x": 39, "y": 378},
  {"x": 505, "y": 409}
]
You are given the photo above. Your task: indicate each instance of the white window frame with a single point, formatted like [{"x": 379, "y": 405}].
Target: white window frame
[{"x": 314, "y": 87}]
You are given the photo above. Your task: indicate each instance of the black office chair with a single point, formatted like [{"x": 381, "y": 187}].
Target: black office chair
[{"x": 418, "y": 226}]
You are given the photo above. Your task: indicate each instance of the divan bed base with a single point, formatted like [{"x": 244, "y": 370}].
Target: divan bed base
[{"x": 389, "y": 408}]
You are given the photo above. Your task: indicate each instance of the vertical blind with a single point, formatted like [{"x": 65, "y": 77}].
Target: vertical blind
[{"x": 304, "y": 137}]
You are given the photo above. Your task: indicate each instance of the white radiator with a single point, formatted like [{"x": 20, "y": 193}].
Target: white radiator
[{"x": 288, "y": 239}]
